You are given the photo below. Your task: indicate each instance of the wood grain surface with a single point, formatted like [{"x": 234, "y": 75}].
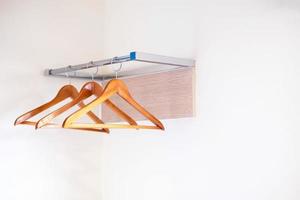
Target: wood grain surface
[{"x": 167, "y": 95}]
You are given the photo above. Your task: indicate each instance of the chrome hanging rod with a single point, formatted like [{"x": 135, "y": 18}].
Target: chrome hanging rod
[{"x": 132, "y": 56}]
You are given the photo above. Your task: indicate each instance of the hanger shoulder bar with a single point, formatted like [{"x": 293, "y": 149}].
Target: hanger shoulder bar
[{"x": 119, "y": 126}]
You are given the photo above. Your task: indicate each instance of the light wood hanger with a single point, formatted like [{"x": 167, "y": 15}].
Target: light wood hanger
[
  {"x": 113, "y": 86},
  {"x": 88, "y": 89},
  {"x": 64, "y": 93}
]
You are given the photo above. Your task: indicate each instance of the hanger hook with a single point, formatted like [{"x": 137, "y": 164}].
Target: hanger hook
[
  {"x": 97, "y": 69},
  {"x": 118, "y": 70},
  {"x": 67, "y": 74}
]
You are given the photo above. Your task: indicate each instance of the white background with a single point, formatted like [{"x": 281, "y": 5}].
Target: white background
[{"x": 243, "y": 144}]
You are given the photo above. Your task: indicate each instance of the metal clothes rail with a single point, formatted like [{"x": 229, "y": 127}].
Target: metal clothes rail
[{"x": 164, "y": 63}]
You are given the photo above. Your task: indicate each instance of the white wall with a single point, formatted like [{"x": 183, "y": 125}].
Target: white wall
[
  {"x": 241, "y": 145},
  {"x": 45, "y": 164}
]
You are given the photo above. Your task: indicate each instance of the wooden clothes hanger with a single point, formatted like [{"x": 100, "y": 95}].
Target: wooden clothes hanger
[
  {"x": 88, "y": 89},
  {"x": 114, "y": 86},
  {"x": 64, "y": 93}
]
